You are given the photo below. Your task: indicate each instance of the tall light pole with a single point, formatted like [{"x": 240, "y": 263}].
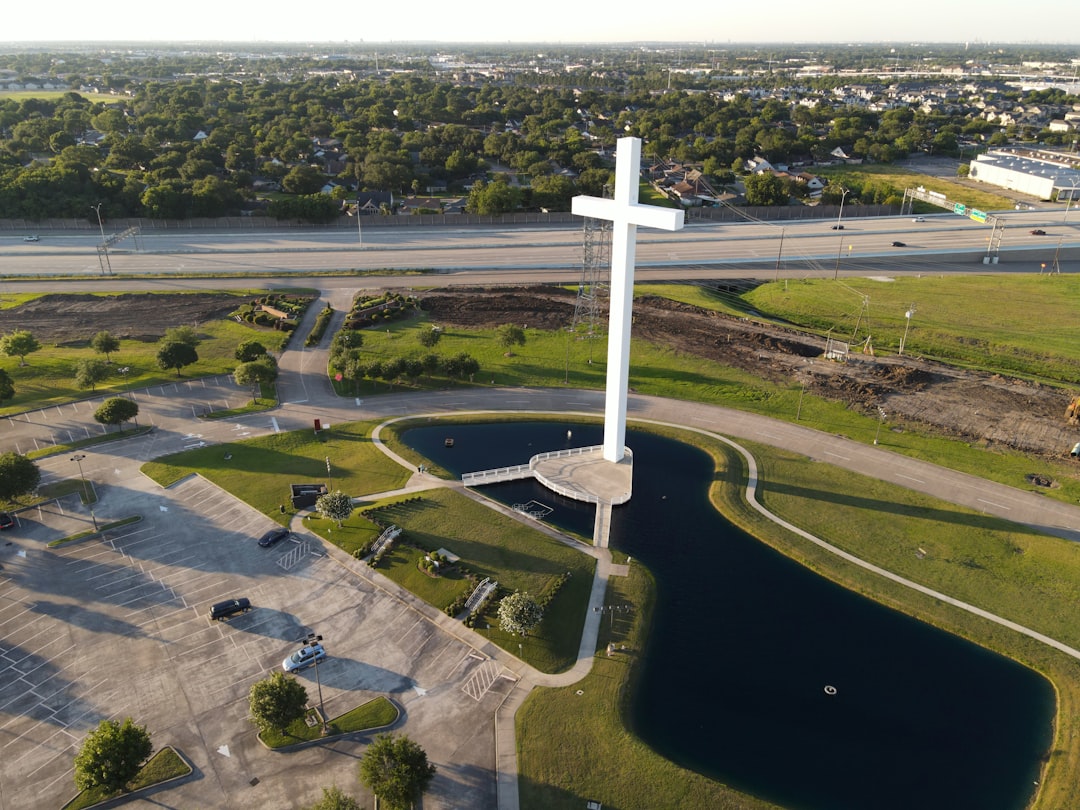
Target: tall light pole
[
  {"x": 907, "y": 325},
  {"x": 104, "y": 247},
  {"x": 314, "y": 639},
  {"x": 839, "y": 227},
  {"x": 78, "y": 458},
  {"x": 1069, "y": 202},
  {"x": 778, "y": 253}
]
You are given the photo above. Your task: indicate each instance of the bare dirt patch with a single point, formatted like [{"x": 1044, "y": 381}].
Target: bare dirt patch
[
  {"x": 64, "y": 319},
  {"x": 984, "y": 408}
]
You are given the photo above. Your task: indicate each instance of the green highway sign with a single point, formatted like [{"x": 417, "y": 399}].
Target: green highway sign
[
  {"x": 977, "y": 215},
  {"x": 959, "y": 208}
]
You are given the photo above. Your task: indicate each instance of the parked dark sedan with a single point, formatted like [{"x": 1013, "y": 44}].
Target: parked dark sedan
[
  {"x": 273, "y": 536},
  {"x": 7, "y": 520}
]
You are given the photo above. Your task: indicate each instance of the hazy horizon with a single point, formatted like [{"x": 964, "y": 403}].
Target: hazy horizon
[{"x": 1039, "y": 22}]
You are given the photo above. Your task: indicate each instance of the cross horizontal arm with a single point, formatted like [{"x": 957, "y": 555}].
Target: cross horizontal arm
[{"x": 648, "y": 216}]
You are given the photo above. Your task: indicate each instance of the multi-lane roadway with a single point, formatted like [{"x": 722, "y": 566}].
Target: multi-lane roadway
[{"x": 702, "y": 249}]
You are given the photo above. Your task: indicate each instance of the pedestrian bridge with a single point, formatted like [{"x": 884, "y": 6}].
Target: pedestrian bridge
[{"x": 580, "y": 473}]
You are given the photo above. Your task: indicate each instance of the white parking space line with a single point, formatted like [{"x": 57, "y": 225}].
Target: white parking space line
[
  {"x": 160, "y": 618},
  {"x": 13, "y": 618}
]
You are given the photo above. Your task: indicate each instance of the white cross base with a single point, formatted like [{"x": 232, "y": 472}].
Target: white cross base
[{"x": 625, "y": 214}]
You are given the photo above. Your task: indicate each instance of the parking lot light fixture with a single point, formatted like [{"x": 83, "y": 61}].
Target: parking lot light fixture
[
  {"x": 309, "y": 640},
  {"x": 78, "y": 459}
]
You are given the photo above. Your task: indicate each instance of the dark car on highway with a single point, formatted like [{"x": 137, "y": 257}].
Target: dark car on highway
[
  {"x": 273, "y": 536},
  {"x": 1038, "y": 232},
  {"x": 7, "y": 520},
  {"x": 898, "y": 244}
]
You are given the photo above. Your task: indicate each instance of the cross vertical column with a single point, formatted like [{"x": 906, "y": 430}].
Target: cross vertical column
[{"x": 625, "y": 214}]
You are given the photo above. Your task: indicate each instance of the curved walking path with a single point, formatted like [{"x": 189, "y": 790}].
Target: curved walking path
[{"x": 306, "y": 393}]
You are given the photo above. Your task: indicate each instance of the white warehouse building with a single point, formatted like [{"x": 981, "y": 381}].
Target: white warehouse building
[{"x": 1040, "y": 173}]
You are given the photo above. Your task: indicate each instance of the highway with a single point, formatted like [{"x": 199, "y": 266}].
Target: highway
[{"x": 943, "y": 243}]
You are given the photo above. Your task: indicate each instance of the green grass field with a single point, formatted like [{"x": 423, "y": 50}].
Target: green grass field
[
  {"x": 49, "y": 376},
  {"x": 514, "y": 554},
  {"x": 904, "y": 179},
  {"x": 259, "y": 471}
]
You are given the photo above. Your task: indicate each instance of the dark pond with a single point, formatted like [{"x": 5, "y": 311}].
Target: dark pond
[{"x": 745, "y": 641}]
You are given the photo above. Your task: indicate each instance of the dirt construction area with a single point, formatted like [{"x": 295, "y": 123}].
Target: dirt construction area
[
  {"x": 60, "y": 319},
  {"x": 987, "y": 409}
]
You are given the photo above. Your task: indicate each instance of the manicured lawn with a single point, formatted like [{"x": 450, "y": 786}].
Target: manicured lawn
[
  {"x": 505, "y": 550},
  {"x": 373, "y": 714},
  {"x": 164, "y": 765},
  {"x": 259, "y": 471}
]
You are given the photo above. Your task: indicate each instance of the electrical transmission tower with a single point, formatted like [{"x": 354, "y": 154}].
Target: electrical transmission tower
[{"x": 590, "y": 306}]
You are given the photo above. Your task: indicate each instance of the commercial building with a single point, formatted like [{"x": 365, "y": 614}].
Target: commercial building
[{"x": 1043, "y": 173}]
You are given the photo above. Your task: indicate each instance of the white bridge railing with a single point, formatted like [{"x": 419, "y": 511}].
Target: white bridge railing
[{"x": 499, "y": 474}]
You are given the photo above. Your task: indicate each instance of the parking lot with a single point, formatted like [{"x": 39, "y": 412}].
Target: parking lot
[{"x": 117, "y": 626}]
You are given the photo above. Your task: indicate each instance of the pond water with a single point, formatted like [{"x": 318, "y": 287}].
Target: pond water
[{"x": 763, "y": 675}]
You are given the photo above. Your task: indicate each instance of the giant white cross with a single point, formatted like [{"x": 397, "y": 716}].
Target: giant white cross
[{"x": 625, "y": 214}]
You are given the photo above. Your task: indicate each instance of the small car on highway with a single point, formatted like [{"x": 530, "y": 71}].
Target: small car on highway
[
  {"x": 1037, "y": 232},
  {"x": 303, "y": 658},
  {"x": 838, "y": 227},
  {"x": 273, "y": 536},
  {"x": 899, "y": 244},
  {"x": 31, "y": 238},
  {"x": 7, "y": 520},
  {"x": 919, "y": 219}
]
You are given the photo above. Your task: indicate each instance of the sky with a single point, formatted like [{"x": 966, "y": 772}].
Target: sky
[{"x": 568, "y": 21}]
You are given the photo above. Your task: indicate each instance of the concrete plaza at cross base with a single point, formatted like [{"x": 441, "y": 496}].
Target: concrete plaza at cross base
[{"x": 604, "y": 475}]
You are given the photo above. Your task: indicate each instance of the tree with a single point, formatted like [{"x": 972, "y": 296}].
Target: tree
[
  {"x": 18, "y": 476},
  {"x": 429, "y": 338},
  {"x": 519, "y": 613},
  {"x": 336, "y": 506},
  {"x": 90, "y": 371},
  {"x": 181, "y": 334},
  {"x": 116, "y": 411},
  {"x": 510, "y": 335},
  {"x": 276, "y": 701},
  {"x": 173, "y": 354},
  {"x": 258, "y": 372},
  {"x": 396, "y": 770},
  {"x": 765, "y": 189},
  {"x": 249, "y": 350},
  {"x": 18, "y": 344},
  {"x": 105, "y": 344},
  {"x": 112, "y": 755},
  {"x": 303, "y": 179},
  {"x": 7, "y": 386},
  {"x": 335, "y": 799}
]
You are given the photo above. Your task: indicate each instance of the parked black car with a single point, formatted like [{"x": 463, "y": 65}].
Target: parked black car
[
  {"x": 230, "y": 607},
  {"x": 273, "y": 536},
  {"x": 7, "y": 520}
]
